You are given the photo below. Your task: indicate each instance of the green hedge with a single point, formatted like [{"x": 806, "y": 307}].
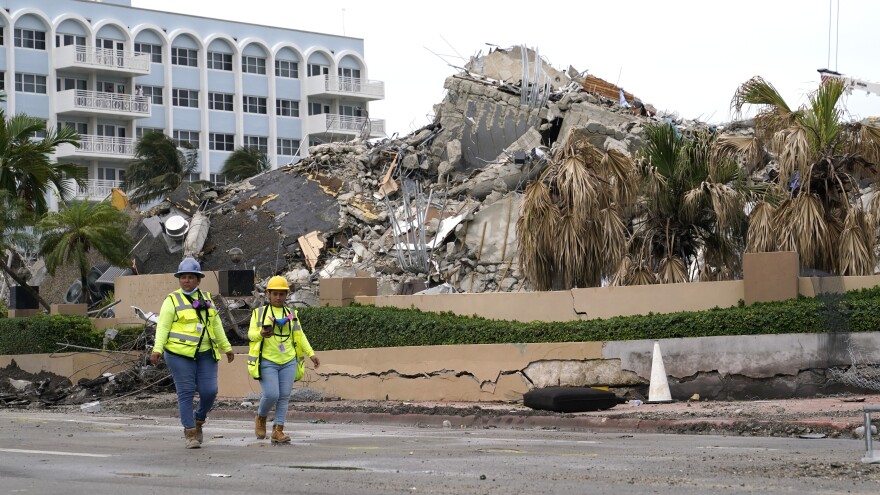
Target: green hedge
[
  {"x": 358, "y": 327},
  {"x": 40, "y": 334}
]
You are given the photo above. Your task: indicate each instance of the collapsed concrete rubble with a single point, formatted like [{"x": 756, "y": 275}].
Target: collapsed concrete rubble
[
  {"x": 435, "y": 208},
  {"x": 21, "y": 389}
]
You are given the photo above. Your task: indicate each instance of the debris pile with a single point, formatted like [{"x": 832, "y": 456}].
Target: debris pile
[{"x": 433, "y": 210}]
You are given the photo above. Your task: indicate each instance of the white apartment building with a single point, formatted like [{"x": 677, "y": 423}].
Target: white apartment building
[{"x": 112, "y": 71}]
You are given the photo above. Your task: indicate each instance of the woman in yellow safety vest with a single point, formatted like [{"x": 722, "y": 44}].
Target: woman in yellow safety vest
[
  {"x": 278, "y": 350},
  {"x": 190, "y": 334}
]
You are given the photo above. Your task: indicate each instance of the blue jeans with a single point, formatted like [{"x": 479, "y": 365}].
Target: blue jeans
[
  {"x": 277, "y": 383},
  {"x": 191, "y": 376}
]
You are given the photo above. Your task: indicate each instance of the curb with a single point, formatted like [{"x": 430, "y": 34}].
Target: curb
[{"x": 716, "y": 426}]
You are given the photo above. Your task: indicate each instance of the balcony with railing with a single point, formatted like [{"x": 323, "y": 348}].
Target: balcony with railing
[
  {"x": 328, "y": 124},
  {"x": 99, "y": 147},
  {"x": 103, "y": 60},
  {"x": 351, "y": 87},
  {"x": 120, "y": 105},
  {"x": 93, "y": 189}
]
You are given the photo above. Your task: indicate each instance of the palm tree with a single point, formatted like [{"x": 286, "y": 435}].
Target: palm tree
[
  {"x": 816, "y": 207},
  {"x": 691, "y": 213},
  {"x": 16, "y": 218},
  {"x": 26, "y": 170},
  {"x": 79, "y": 227},
  {"x": 161, "y": 164},
  {"x": 245, "y": 162},
  {"x": 572, "y": 232}
]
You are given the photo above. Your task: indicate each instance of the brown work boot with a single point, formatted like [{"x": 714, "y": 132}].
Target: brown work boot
[
  {"x": 260, "y": 427},
  {"x": 191, "y": 441},
  {"x": 278, "y": 435},
  {"x": 199, "y": 436}
]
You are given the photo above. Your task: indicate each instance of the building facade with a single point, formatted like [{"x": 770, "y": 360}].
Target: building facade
[{"x": 113, "y": 72}]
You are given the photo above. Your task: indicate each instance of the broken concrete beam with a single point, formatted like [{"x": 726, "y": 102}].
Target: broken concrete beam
[{"x": 311, "y": 245}]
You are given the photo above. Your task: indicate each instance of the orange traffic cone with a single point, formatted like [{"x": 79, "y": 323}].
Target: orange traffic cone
[{"x": 658, "y": 390}]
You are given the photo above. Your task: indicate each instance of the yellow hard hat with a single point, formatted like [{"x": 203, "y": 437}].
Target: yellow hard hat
[{"x": 277, "y": 283}]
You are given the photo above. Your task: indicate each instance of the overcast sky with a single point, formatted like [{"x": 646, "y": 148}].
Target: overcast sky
[{"x": 683, "y": 56}]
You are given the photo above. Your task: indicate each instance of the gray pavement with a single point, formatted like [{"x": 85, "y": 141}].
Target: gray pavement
[{"x": 77, "y": 453}]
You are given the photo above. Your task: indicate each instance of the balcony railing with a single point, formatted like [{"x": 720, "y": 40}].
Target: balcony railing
[
  {"x": 350, "y": 86},
  {"x": 106, "y": 57},
  {"x": 103, "y": 59},
  {"x": 103, "y": 145},
  {"x": 94, "y": 189},
  {"x": 349, "y": 125},
  {"x": 82, "y": 101}
]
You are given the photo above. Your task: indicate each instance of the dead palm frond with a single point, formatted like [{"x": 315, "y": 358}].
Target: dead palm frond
[
  {"x": 641, "y": 275},
  {"x": 793, "y": 149},
  {"x": 571, "y": 231},
  {"x": 762, "y": 233},
  {"x": 855, "y": 254},
  {"x": 774, "y": 113},
  {"x": 672, "y": 270},
  {"x": 809, "y": 228},
  {"x": 747, "y": 147},
  {"x": 535, "y": 230}
]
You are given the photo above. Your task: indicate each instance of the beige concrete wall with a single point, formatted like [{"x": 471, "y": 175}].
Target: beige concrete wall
[
  {"x": 148, "y": 291},
  {"x": 515, "y": 306},
  {"x": 74, "y": 365},
  {"x": 575, "y": 304},
  {"x": 770, "y": 276},
  {"x": 813, "y": 286},
  {"x": 607, "y": 302}
]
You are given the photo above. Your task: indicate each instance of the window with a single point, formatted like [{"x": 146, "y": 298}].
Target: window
[
  {"x": 191, "y": 137},
  {"x": 318, "y": 70},
  {"x": 30, "y": 38},
  {"x": 41, "y": 134},
  {"x": 2, "y": 80},
  {"x": 69, "y": 39},
  {"x": 288, "y": 147},
  {"x": 220, "y": 61},
  {"x": 350, "y": 111},
  {"x": 110, "y": 130},
  {"x": 81, "y": 128},
  {"x": 259, "y": 142},
  {"x": 318, "y": 108},
  {"x": 194, "y": 176},
  {"x": 253, "y": 65},
  {"x": 254, "y": 104},
  {"x": 352, "y": 73},
  {"x": 30, "y": 83},
  {"x": 218, "y": 179},
  {"x": 65, "y": 83},
  {"x": 154, "y": 51},
  {"x": 106, "y": 173},
  {"x": 287, "y": 68},
  {"x": 286, "y": 108},
  {"x": 146, "y": 130},
  {"x": 2, "y": 35},
  {"x": 184, "y": 56},
  {"x": 185, "y": 98},
  {"x": 220, "y": 101},
  {"x": 221, "y": 142},
  {"x": 154, "y": 93}
]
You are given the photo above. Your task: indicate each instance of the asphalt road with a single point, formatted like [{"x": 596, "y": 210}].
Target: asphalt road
[{"x": 79, "y": 454}]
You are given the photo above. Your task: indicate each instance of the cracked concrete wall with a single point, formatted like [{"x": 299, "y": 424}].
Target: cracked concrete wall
[
  {"x": 767, "y": 366},
  {"x": 575, "y": 304},
  {"x": 739, "y": 367}
]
